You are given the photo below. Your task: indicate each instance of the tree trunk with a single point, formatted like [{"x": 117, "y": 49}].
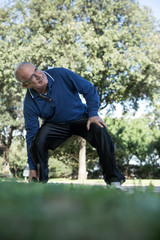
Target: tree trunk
[
  {"x": 15, "y": 171},
  {"x": 82, "y": 173},
  {"x": 6, "y": 145},
  {"x": 6, "y": 167}
]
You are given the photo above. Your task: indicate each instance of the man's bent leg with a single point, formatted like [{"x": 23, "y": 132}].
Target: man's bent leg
[
  {"x": 100, "y": 139},
  {"x": 49, "y": 136}
]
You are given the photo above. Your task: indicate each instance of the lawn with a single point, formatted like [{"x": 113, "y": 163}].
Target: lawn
[{"x": 75, "y": 211}]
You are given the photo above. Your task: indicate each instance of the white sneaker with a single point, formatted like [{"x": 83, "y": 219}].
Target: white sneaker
[{"x": 116, "y": 185}]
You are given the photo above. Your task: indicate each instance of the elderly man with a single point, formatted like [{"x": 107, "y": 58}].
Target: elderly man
[{"x": 53, "y": 95}]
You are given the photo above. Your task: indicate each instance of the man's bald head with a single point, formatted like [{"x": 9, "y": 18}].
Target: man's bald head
[{"x": 18, "y": 68}]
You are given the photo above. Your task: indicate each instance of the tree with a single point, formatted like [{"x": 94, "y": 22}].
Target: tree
[
  {"x": 121, "y": 58},
  {"x": 17, "y": 157},
  {"x": 10, "y": 93},
  {"x": 154, "y": 121},
  {"x": 135, "y": 138},
  {"x": 111, "y": 43}
]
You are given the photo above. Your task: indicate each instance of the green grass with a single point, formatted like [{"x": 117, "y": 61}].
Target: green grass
[{"x": 74, "y": 211}]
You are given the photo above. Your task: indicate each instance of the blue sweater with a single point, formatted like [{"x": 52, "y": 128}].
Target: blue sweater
[{"x": 63, "y": 103}]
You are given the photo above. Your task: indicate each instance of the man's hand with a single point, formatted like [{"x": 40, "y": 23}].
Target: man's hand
[
  {"x": 33, "y": 174},
  {"x": 97, "y": 120}
]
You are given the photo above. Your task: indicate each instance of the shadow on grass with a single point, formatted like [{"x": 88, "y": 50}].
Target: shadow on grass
[{"x": 69, "y": 212}]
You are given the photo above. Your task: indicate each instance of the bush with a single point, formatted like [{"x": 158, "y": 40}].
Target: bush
[{"x": 58, "y": 169}]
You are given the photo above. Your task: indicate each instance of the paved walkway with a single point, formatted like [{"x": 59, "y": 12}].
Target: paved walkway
[
  {"x": 128, "y": 185},
  {"x": 131, "y": 188}
]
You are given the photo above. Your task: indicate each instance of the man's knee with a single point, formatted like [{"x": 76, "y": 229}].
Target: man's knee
[
  {"x": 38, "y": 141},
  {"x": 97, "y": 129},
  {"x": 103, "y": 135}
]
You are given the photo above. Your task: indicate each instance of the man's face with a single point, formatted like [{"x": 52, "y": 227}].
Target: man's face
[{"x": 32, "y": 77}]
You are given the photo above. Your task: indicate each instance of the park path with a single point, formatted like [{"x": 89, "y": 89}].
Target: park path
[{"x": 128, "y": 185}]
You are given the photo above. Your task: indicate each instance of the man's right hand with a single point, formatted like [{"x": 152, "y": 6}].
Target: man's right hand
[{"x": 33, "y": 174}]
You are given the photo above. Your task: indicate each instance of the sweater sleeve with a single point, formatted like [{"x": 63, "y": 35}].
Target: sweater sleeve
[
  {"x": 31, "y": 126},
  {"x": 87, "y": 89}
]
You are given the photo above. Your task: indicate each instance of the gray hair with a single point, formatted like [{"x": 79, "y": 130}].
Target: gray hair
[{"x": 16, "y": 71}]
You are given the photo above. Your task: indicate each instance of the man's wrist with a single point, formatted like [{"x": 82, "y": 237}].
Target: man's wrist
[
  {"x": 92, "y": 114},
  {"x": 32, "y": 168}
]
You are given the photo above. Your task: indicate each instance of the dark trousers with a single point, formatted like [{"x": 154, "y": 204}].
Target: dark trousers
[{"x": 51, "y": 135}]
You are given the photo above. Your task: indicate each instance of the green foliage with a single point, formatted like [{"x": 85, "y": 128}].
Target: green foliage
[
  {"x": 135, "y": 138},
  {"x": 67, "y": 153},
  {"x": 59, "y": 169},
  {"x": 38, "y": 211},
  {"x": 112, "y": 43},
  {"x": 10, "y": 93},
  {"x": 17, "y": 157},
  {"x": 133, "y": 134}
]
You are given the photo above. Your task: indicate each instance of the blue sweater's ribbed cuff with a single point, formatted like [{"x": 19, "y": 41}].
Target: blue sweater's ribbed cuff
[
  {"x": 92, "y": 114},
  {"x": 31, "y": 166}
]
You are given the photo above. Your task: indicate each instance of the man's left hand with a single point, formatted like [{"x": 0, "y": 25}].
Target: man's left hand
[{"x": 97, "y": 120}]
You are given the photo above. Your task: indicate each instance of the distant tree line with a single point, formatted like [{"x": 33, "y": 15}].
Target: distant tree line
[
  {"x": 114, "y": 44},
  {"x": 136, "y": 146}
]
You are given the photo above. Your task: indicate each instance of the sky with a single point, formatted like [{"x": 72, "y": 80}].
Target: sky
[{"x": 154, "y": 5}]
